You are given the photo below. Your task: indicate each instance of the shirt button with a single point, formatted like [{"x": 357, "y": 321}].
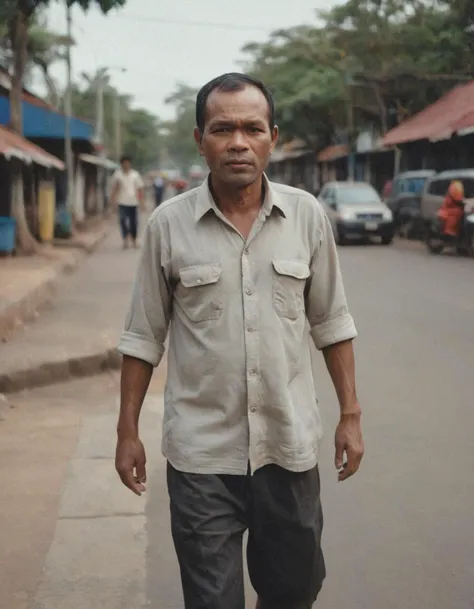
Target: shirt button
[
  {"x": 250, "y": 329},
  {"x": 199, "y": 281},
  {"x": 249, "y": 292},
  {"x": 252, "y": 372},
  {"x": 246, "y": 251},
  {"x": 253, "y": 409}
]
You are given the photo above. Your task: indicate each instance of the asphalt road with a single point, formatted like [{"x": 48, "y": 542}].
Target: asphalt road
[{"x": 398, "y": 535}]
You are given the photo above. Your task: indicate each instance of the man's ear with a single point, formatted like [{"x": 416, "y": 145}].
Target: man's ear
[
  {"x": 275, "y": 134},
  {"x": 198, "y": 140}
]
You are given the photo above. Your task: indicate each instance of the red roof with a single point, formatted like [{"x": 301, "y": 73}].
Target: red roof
[
  {"x": 451, "y": 113},
  {"x": 13, "y": 145},
  {"x": 330, "y": 153}
]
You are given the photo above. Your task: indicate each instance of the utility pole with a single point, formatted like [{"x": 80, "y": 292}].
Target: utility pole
[
  {"x": 67, "y": 131},
  {"x": 118, "y": 126},
  {"x": 100, "y": 108},
  {"x": 350, "y": 129}
]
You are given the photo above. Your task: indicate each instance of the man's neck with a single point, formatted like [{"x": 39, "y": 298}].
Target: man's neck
[{"x": 237, "y": 200}]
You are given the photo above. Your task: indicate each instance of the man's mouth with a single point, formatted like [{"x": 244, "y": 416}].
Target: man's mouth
[{"x": 236, "y": 163}]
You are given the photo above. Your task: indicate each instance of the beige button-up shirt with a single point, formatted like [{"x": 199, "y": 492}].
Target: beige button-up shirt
[{"x": 242, "y": 317}]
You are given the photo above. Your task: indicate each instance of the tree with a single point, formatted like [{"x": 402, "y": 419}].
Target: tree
[
  {"x": 179, "y": 140},
  {"x": 44, "y": 49},
  {"x": 19, "y": 15},
  {"x": 408, "y": 53},
  {"x": 370, "y": 63},
  {"x": 139, "y": 129},
  {"x": 300, "y": 66},
  {"x": 142, "y": 139}
]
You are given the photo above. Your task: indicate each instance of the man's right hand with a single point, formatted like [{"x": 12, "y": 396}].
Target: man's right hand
[{"x": 130, "y": 461}]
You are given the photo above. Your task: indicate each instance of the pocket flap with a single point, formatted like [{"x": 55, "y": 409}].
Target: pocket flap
[
  {"x": 203, "y": 274},
  {"x": 292, "y": 268}
]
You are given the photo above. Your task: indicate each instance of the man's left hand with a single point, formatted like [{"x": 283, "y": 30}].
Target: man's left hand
[{"x": 349, "y": 443}]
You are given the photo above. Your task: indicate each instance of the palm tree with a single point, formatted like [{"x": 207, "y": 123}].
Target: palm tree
[{"x": 44, "y": 49}]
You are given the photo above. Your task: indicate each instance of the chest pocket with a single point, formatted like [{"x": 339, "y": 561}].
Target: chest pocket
[
  {"x": 288, "y": 287},
  {"x": 199, "y": 292}
]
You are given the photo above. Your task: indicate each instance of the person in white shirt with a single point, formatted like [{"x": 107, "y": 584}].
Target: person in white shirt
[{"x": 127, "y": 195}]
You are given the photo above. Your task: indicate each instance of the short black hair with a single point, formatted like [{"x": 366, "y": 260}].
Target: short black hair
[
  {"x": 124, "y": 158},
  {"x": 233, "y": 81}
]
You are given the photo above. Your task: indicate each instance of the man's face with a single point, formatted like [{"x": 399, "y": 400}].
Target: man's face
[
  {"x": 126, "y": 166},
  {"x": 237, "y": 139}
]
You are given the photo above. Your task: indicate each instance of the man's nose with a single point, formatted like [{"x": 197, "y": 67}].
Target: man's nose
[{"x": 238, "y": 141}]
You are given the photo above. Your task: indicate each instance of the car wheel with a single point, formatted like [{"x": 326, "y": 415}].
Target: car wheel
[
  {"x": 434, "y": 246},
  {"x": 338, "y": 237},
  {"x": 387, "y": 240},
  {"x": 403, "y": 229}
]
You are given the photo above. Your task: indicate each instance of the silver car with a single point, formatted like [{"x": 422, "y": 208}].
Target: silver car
[{"x": 356, "y": 211}]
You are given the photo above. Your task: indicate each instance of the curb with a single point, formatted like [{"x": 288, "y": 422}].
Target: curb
[
  {"x": 16, "y": 314},
  {"x": 51, "y": 373},
  {"x": 86, "y": 242}
]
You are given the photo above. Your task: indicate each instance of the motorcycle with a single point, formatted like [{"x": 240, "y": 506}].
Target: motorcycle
[{"x": 463, "y": 242}]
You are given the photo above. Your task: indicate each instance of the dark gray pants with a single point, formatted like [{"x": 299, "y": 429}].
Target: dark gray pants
[{"x": 282, "y": 512}]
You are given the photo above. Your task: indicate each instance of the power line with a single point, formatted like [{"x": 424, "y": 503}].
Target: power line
[{"x": 226, "y": 26}]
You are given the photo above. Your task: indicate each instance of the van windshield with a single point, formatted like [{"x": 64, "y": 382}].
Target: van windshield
[
  {"x": 354, "y": 196},
  {"x": 412, "y": 186}
]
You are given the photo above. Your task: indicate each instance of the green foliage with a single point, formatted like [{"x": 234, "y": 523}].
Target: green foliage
[
  {"x": 104, "y": 5},
  {"x": 141, "y": 138},
  {"x": 178, "y": 139},
  {"x": 139, "y": 129},
  {"x": 388, "y": 58}
]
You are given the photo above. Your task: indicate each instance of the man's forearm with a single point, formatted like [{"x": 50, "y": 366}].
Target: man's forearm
[
  {"x": 135, "y": 379},
  {"x": 341, "y": 366}
]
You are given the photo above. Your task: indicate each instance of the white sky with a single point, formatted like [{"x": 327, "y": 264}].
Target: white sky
[{"x": 158, "y": 54}]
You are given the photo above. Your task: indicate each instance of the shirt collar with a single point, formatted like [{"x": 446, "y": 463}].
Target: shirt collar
[{"x": 205, "y": 201}]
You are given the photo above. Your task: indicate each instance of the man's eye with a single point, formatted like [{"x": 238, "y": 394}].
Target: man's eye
[
  {"x": 255, "y": 130},
  {"x": 222, "y": 130}
]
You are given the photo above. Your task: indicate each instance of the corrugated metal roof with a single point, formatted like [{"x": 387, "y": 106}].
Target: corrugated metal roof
[
  {"x": 331, "y": 153},
  {"x": 451, "y": 113},
  {"x": 98, "y": 160},
  {"x": 13, "y": 145},
  {"x": 41, "y": 122}
]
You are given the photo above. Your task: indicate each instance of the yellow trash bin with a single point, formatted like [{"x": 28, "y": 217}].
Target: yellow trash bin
[{"x": 46, "y": 211}]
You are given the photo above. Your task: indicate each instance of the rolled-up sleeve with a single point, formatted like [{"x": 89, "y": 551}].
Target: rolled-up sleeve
[
  {"x": 149, "y": 314},
  {"x": 326, "y": 304}
]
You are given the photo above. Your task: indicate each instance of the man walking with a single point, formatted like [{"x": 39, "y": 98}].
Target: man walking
[
  {"x": 246, "y": 274},
  {"x": 159, "y": 186},
  {"x": 127, "y": 194}
]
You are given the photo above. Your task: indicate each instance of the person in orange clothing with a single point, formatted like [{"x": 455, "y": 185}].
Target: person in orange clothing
[{"x": 452, "y": 210}]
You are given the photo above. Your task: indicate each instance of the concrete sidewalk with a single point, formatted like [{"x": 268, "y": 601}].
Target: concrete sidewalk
[
  {"x": 28, "y": 283},
  {"x": 77, "y": 335}
]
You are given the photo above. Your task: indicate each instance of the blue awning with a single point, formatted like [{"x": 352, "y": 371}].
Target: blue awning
[{"x": 41, "y": 122}]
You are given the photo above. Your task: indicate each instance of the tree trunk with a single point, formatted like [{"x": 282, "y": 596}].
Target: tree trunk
[{"x": 26, "y": 243}]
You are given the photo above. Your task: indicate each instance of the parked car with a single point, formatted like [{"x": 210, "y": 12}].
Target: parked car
[
  {"x": 436, "y": 189},
  {"x": 404, "y": 200},
  {"x": 356, "y": 211}
]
